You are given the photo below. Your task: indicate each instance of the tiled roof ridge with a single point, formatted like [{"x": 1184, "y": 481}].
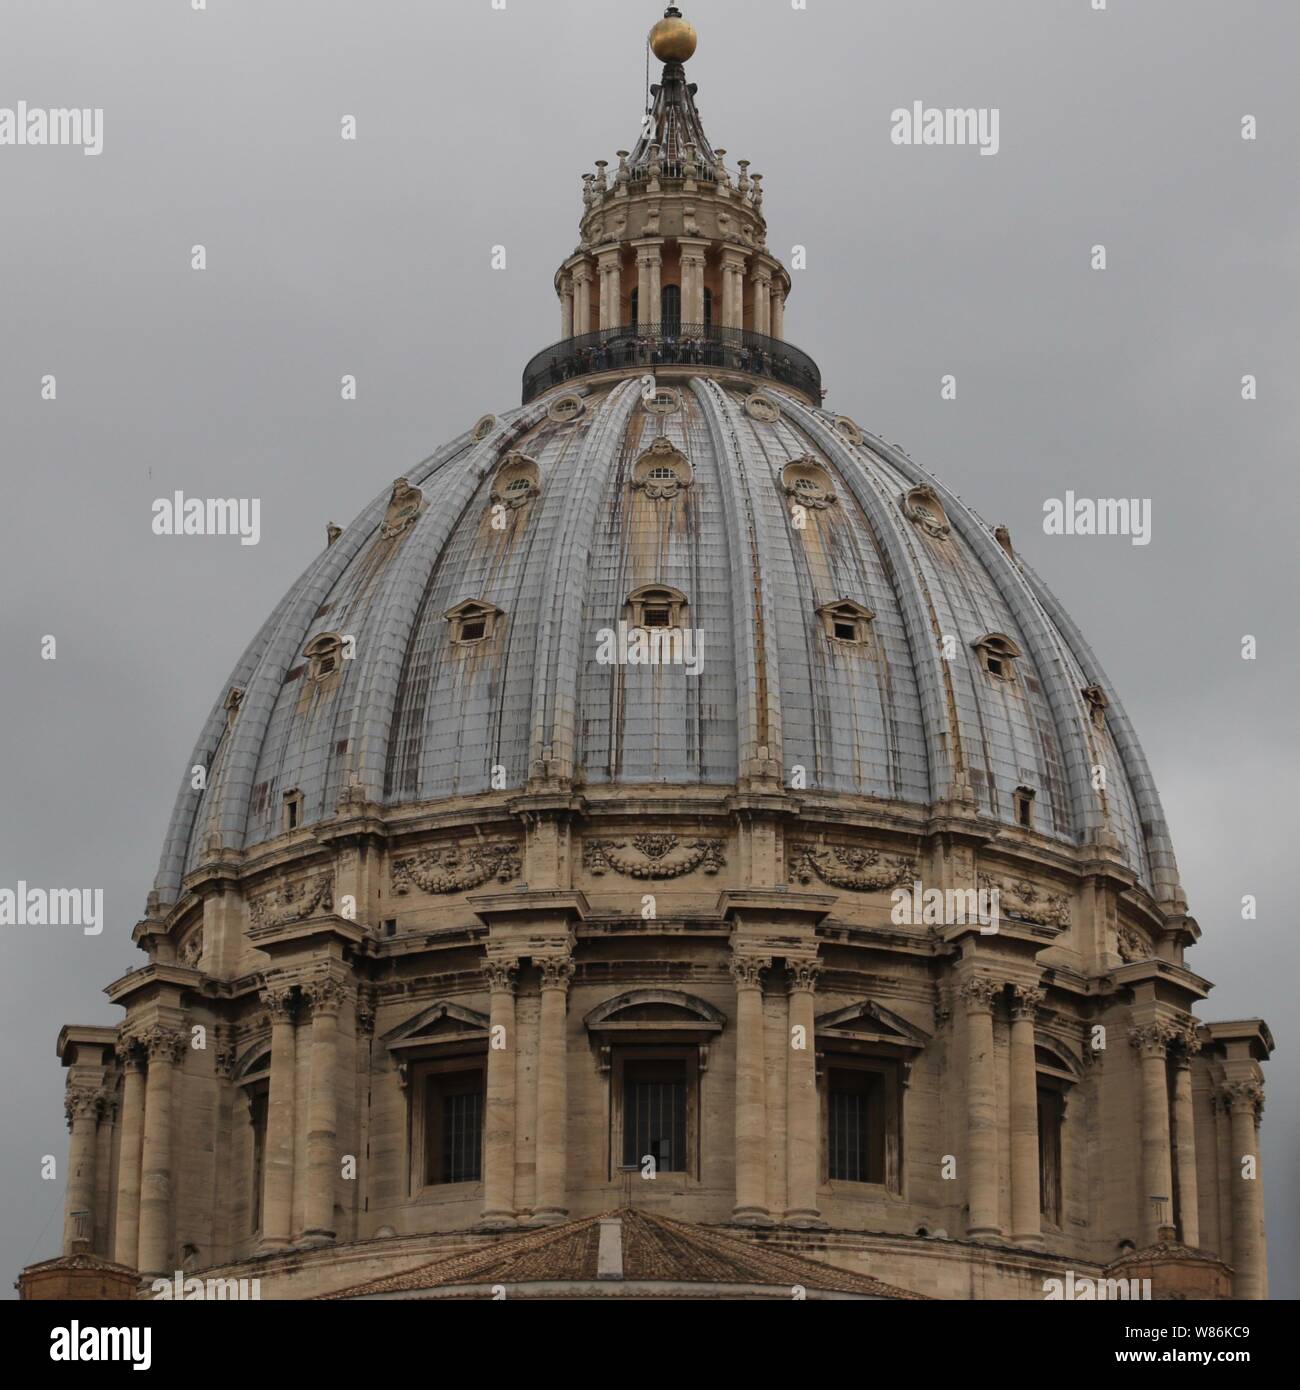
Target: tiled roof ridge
[{"x": 656, "y": 1248}]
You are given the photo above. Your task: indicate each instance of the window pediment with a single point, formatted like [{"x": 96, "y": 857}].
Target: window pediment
[
  {"x": 867, "y": 1022},
  {"x": 443, "y": 1023},
  {"x": 655, "y": 1010}
]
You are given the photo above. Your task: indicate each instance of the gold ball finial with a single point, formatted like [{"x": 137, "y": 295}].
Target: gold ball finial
[{"x": 673, "y": 40}]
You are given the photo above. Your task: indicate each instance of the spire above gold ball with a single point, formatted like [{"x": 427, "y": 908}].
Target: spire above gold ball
[{"x": 673, "y": 40}]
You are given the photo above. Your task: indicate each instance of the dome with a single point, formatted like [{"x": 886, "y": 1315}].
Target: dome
[
  {"x": 552, "y": 831},
  {"x": 544, "y": 524}
]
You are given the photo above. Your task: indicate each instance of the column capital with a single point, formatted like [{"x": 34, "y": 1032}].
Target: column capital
[
  {"x": 1026, "y": 1000},
  {"x": 325, "y": 995},
  {"x": 979, "y": 993},
  {"x": 129, "y": 1052},
  {"x": 1152, "y": 1039},
  {"x": 747, "y": 970},
  {"x": 557, "y": 971},
  {"x": 1243, "y": 1097},
  {"x": 277, "y": 998},
  {"x": 82, "y": 1102},
  {"x": 163, "y": 1044},
  {"x": 500, "y": 972},
  {"x": 803, "y": 975}
]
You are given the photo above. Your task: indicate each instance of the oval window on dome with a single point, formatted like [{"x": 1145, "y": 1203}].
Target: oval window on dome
[
  {"x": 847, "y": 429},
  {"x": 762, "y": 408},
  {"x": 808, "y": 484},
  {"x": 664, "y": 400},
  {"x": 662, "y": 471},
  {"x": 517, "y": 481},
  {"x": 922, "y": 506},
  {"x": 485, "y": 426},
  {"x": 566, "y": 409}
]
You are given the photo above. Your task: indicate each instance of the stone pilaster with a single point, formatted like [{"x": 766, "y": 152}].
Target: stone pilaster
[
  {"x": 326, "y": 999},
  {"x": 582, "y": 298},
  {"x": 611, "y": 288},
  {"x": 1245, "y": 1102},
  {"x": 733, "y": 287},
  {"x": 552, "y": 1088},
  {"x": 777, "y": 311},
  {"x": 1026, "y": 1227},
  {"x": 978, "y": 993},
  {"x": 126, "y": 1236},
  {"x": 1151, "y": 1041},
  {"x": 83, "y": 1105},
  {"x": 694, "y": 258},
  {"x": 649, "y": 270},
  {"x": 802, "y": 1132},
  {"x": 566, "y": 306},
  {"x": 751, "y": 1138},
  {"x": 499, "y": 1102},
  {"x": 1184, "y": 1048},
  {"x": 166, "y": 1048},
  {"x": 277, "y": 1197},
  {"x": 760, "y": 284}
]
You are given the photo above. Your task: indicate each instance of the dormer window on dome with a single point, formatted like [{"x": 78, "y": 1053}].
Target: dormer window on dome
[
  {"x": 808, "y": 484},
  {"x": 324, "y": 656},
  {"x": 1025, "y": 807},
  {"x": 662, "y": 471},
  {"x": 922, "y": 506},
  {"x": 846, "y": 621},
  {"x": 473, "y": 622},
  {"x": 998, "y": 655},
  {"x": 516, "y": 482},
  {"x": 656, "y": 606}
]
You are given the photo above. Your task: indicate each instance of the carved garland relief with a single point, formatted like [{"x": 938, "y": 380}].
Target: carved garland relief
[
  {"x": 842, "y": 866},
  {"x": 454, "y": 868},
  {"x": 293, "y": 902},
  {"x": 655, "y": 850}
]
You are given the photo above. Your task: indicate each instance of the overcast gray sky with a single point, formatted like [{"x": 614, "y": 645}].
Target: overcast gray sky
[{"x": 474, "y": 125}]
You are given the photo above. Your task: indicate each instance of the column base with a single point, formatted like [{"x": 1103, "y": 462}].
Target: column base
[
  {"x": 275, "y": 1245},
  {"x": 547, "y": 1216},
  {"x": 984, "y": 1233},
  {"x": 752, "y": 1216},
  {"x": 1033, "y": 1241},
  {"x": 498, "y": 1221},
  {"x": 313, "y": 1240},
  {"x": 805, "y": 1220}
]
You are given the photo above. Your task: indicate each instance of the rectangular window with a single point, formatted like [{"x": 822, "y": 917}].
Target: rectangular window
[
  {"x": 654, "y": 1115},
  {"x": 1051, "y": 1113},
  {"x": 856, "y": 1124},
  {"x": 453, "y": 1127}
]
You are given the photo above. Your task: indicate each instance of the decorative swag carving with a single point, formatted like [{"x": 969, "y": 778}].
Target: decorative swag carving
[
  {"x": 842, "y": 866},
  {"x": 1019, "y": 898},
  {"x": 456, "y": 867},
  {"x": 601, "y": 855},
  {"x": 293, "y": 902}
]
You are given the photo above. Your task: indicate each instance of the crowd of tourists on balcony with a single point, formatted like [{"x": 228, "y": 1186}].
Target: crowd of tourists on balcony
[{"x": 630, "y": 348}]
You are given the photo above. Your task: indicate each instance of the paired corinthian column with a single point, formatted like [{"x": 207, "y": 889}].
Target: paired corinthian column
[
  {"x": 1245, "y": 1102},
  {"x": 552, "y": 1064},
  {"x": 751, "y": 1128},
  {"x": 83, "y": 1105},
  {"x": 126, "y": 1246},
  {"x": 499, "y": 1106},
  {"x": 166, "y": 1048},
  {"x": 277, "y": 1200},
  {"x": 1026, "y": 1227},
  {"x": 1185, "y": 1047},
  {"x": 326, "y": 998},
  {"x": 1151, "y": 1041},
  {"x": 978, "y": 993},
  {"x": 802, "y": 1132}
]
